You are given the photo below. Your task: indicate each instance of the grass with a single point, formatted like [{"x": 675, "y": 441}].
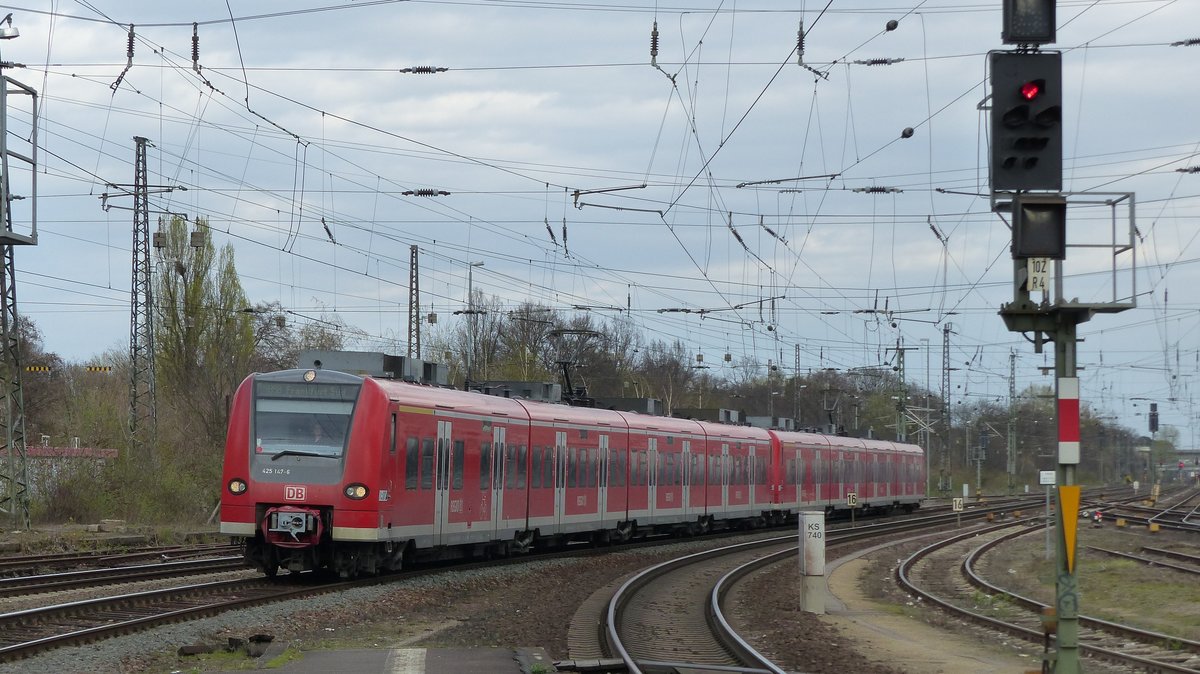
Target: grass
[
  {"x": 289, "y": 654},
  {"x": 1116, "y": 589}
]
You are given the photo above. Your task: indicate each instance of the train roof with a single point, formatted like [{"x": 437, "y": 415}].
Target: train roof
[
  {"x": 474, "y": 403},
  {"x": 465, "y": 402},
  {"x": 841, "y": 441}
]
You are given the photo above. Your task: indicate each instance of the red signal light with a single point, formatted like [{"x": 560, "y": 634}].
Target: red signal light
[{"x": 1031, "y": 90}]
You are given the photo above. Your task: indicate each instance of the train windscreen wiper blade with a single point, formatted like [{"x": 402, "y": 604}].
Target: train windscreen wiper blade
[{"x": 297, "y": 452}]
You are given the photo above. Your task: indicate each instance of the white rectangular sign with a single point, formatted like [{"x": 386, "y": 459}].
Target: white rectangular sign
[
  {"x": 812, "y": 543},
  {"x": 1046, "y": 477},
  {"x": 1039, "y": 274}
]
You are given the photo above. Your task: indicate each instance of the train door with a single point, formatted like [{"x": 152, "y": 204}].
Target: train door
[
  {"x": 441, "y": 481},
  {"x": 560, "y": 478},
  {"x": 697, "y": 500},
  {"x": 725, "y": 476},
  {"x": 686, "y": 468},
  {"x": 602, "y": 480},
  {"x": 751, "y": 475},
  {"x": 497, "y": 486},
  {"x": 651, "y": 477},
  {"x": 837, "y": 475},
  {"x": 883, "y": 473}
]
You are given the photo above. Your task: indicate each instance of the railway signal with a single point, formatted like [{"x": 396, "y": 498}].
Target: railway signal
[
  {"x": 1039, "y": 226},
  {"x": 1026, "y": 121}
]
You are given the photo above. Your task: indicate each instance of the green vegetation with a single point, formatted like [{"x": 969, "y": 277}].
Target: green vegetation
[
  {"x": 289, "y": 654},
  {"x": 1112, "y": 588}
]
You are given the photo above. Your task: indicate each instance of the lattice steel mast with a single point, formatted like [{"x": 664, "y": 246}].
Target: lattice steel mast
[
  {"x": 414, "y": 306},
  {"x": 1012, "y": 423},
  {"x": 142, "y": 425},
  {"x": 944, "y": 475},
  {"x": 14, "y": 482}
]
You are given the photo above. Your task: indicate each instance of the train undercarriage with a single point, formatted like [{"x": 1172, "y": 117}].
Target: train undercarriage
[{"x": 298, "y": 539}]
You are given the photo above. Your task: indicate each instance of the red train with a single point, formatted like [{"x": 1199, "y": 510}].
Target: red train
[{"x": 328, "y": 470}]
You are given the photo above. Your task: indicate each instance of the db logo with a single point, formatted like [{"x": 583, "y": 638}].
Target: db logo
[{"x": 292, "y": 492}]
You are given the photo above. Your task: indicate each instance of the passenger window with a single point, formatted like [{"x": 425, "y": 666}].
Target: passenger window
[
  {"x": 426, "y": 463},
  {"x": 411, "y": 463},
  {"x": 572, "y": 465},
  {"x": 591, "y": 467},
  {"x": 548, "y": 467},
  {"x": 535, "y": 474},
  {"x": 392, "y": 436},
  {"x": 521, "y": 457},
  {"x": 458, "y": 459},
  {"x": 510, "y": 467},
  {"x": 485, "y": 466}
]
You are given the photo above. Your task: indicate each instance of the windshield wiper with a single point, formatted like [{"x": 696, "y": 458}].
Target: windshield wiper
[{"x": 298, "y": 452}]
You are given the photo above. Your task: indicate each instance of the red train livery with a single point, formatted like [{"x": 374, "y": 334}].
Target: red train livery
[{"x": 328, "y": 470}]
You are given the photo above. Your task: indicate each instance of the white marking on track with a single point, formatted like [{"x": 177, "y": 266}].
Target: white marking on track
[{"x": 406, "y": 661}]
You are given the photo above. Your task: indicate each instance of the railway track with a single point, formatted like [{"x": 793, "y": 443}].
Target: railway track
[
  {"x": 14, "y": 565},
  {"x": 67, "y": 580},
  {"x": 28, "y": 632},
  {"x": 672, "y": 616},
  {"x": 944, "y": 575},
  {"x": 23, "y": 633},
  {"x": 665, "y": 612}
]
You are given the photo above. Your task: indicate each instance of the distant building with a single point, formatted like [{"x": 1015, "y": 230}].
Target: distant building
[{"x": 713, "y": 414}]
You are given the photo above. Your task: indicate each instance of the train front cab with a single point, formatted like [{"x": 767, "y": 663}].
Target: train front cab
[{"x": 301, "y": 468}]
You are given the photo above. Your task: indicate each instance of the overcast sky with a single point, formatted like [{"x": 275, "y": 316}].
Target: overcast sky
[{"x": 302, "y": 113}]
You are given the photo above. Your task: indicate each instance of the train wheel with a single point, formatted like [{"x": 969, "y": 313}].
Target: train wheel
[
  {"x": 270, "y": 562},
  {"x": 522, "y": 542}
]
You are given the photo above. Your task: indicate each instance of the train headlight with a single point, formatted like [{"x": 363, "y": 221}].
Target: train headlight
[
  {"x": 237, "y": 486},
  {"x": 356, "y": 491}
]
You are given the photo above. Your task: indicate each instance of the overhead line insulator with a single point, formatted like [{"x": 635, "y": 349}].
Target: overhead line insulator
[
  {"x": 128, "y": 61},
  {"x": 423, "y": 70},
  {"x": 654, "y": 45},
  {"x": 195, "y": 47},
  {"x": 879, "y": 62},
  {"x": 800, "y": 44},
  {"x": 426, "y": 192}
]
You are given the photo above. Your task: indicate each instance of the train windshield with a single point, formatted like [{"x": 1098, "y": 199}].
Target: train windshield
[{"x": 303, "y": 419}]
